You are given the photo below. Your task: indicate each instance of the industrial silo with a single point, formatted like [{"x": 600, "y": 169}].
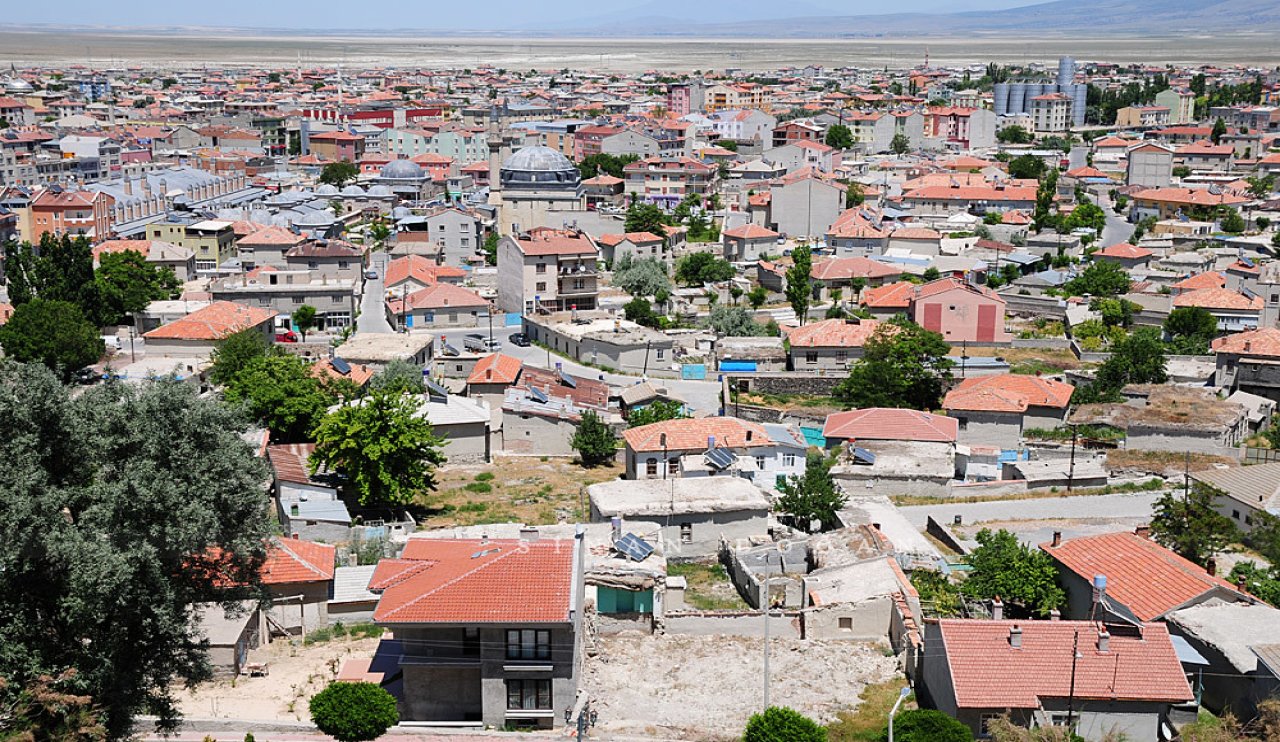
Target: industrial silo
[
  {"x": 1000, "y": 98},
  {"x": 1080, "y": 101},
  {"x": 1017, "y": 97}
]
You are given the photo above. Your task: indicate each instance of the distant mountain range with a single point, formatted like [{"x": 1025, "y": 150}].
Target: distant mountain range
[{"x": 1094, "y": 17}]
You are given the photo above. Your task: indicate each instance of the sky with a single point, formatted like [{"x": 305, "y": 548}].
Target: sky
[{"x": 428, "y": 14}]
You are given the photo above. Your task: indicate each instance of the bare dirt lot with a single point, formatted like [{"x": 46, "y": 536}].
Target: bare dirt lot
[
  {"x": 525, "y": 489},
  {"x": 705, "y": 687}
]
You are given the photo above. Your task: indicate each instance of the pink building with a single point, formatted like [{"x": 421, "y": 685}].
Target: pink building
[{"x": 959, "y": 311}]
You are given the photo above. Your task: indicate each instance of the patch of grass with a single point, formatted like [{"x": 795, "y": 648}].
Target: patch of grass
[
  {"x": 1151, "y": 485},
  {"x": 1095, "y": 432},
  {"x": 478, "y": 487},
  {"x": 709, "y": 587},
  {"x": 868, "y": 720},
  {"x": 1163, "y": 463},
  {"x": 472, "y": 507},
  {"x": 339, "y": 631},
  {"x": 484, "y": 476},
  {"x": 525, "y": 489}
]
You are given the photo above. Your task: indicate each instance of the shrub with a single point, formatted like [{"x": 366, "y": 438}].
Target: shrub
[
  {"x": 353, "y": 712},
  {"x": 926, "y": 725},
  {"x": 781, "y": 724},
  {"x": 484, "y": 476}
]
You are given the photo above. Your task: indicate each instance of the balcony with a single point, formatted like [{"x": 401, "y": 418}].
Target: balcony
[
  {"x": 578, "y": 270},
  {"x": 588, "y": 288}
]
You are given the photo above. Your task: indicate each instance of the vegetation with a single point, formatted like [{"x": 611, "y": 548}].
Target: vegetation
[
  {"x": 593, "y": 165},
  {"x": 1086, "y": 215},
  {"x": 385, "y": 449},
  {"x": 1264, "y": 583},
  {"x": 639, "y": 310},
  {"x": 799, "y": 284},
  {"x": 698, "y": 268},
  {"x": 654, "y": 412},
  {"x": 640, "y": 277},
  {"x": 902, "y": 365},
  {"x": 708, "y": 587},
  {"x": 757, "y": 296},
  {"x": 1014, "y": 135},
  {"x": 1138, "y": 358},
  {"x": 1190, "y": 330},
  {"x": 839, "y": 136},
  {"x": 236, "y": 351},
  {"x": 114, "y": 500},
  {"x": 49, "y": 709},
  {"x": 781, "y": 724},
  {"x": 490, "y": 248},
  {"x": 854, "y": 195},
  {"x": 1029, "y": 167},
  {"x": 644, "y": 217},
  {"x": 1045, "y": 216},
  {"x": 1190, "y": 526},
  {"x": 594, "y": 441},
  {"x": 304, "y": 318},
  {"x": 279, "y": 391},
  {"x": 354, "y": 712},
  {"x": 900, "y": 144},
  {"x": 1232, "y": 223},
  {"x": 813, "y": 496},
  {"x": 398, "y": 377},
  {"x": 1099, "y": 278},
  {"x": 339, "y": 173},
  {"x": 735, "y": 322},
  {"x": 127, "y": 283},
  {"x": 54, "y": 333},
  {"x": 937, "y": 590},
  {"x": 1005, "y": 568},
  {"x": 927, "y": 725}
]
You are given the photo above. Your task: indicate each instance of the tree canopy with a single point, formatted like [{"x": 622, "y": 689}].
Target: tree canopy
[
  {"x": 59, "y": 269},
  {"x": 400, "y": 377},
  {"x": 1015, "y": 134},
  {"x": 593, "y": 165},
  {"x": 799, "y": 283},
  {"x": 839, "y": 136},
  {"x": 304, "y": 318},
  {"x": 640, "y": 277},
  {"x": 236, "y": 351},
  {"x": 594, "y": 441},
  {"x": 279, "y": 391},
  {"x": 54, "y": 333},
  {"x": 353, "y": 712},
  {"x": 385, "y": 449},
  {"x": 813, "y": 496},
  {"x": 900, "y": 144},
  {"x": 127, "y": 283},
  {"x": 1190, "y": 330},
  {"x": 640, "y": 311},
  {"x": 927, "y": 725},
  {"x": 782, "y": 724},
  {"x": 1099, "y": 278},
  {"x": 339, "y": 173},
  {"x": 655, "y": 412},
  {"x": 734, "y": 322},
  {"x": 1005, "y": 568},
  {"x": 645, "y": 217},
  {"x": 1191, "y": 526},
  {"x": 902, "y": 365},
  {"x": 113, "y": 502},
  {"x": 698, "y": 268},
  {"x": 1026, "y": 166}
]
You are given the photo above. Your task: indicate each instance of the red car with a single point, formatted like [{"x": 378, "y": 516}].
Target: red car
[{"x": 288, "y": 336}]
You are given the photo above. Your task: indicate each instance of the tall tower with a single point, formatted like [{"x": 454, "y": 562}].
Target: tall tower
[{"x": 494, "y": 140}]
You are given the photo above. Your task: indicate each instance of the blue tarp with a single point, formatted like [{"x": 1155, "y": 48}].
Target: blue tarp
[
  {"x": 693, "y": 371},
  {"x": 738, "y": 366},
  {"x": 813, "y": 437}
]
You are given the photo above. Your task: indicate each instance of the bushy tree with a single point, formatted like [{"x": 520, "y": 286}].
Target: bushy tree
[
  {"x": 813, "y": 496},
  {"x": 757, "y": 296},
  {"x": 1003, "y": 567},
  {"x": 733, "y": 322},
  {"x": 1137, "y": 359},
  {"x": 235, "y": 351},
  {"x": 900, "y": 144},
  {"x": 353, "y": 712},
  {"x": 280, "y": 392},
  {"x": 902, "y": 365},
  {"x": 54, "y": 333},
  {"x": 304, "y": 318},
  {"x": 655, "y": 412},
  {"x": 1099, "y": 278},
  {"x": 1232, "y": 223},
  {"x": 1191, "y": 329},
  {"x": 386, "y": 450},
  {"x": 698, "y": 268},
  {"x": 639, "y": 310},
  {"x": 1044, "y": 216},
  {"x": 594, "y": 441},
  {"x": 1263, "y": 583},
  {"x": 927, "y": 725},
  {"x": 854, "y": 195},
  {"x": 1028, "y": 167},
  {"x": 59, "y": 269},
  {"x": 640, "y": 277},
  {"x": 1086, "y": 215},
  {"x": 116, "y": 504},
  {"x": 1218, "y": 131},
  {"x": 782, "y": 724},
  {"x": 1190, "y": 526},
  {"x": 339, "y": 173},
  {"x": 127, "y": 283},
  {"x": 398, "y": 377},
  {"x": 593, "y": 165},
  {"x": 645, "y": 217},
  {"x": 490, "y": 248},
  {"x": 1015, "y": 135},
  {"x": 799, "y": 283},
  {"x": 839, "y": 136}
]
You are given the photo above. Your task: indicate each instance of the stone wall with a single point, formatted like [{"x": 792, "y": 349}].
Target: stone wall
[
  {"x": 791, "y": 383},
  {"x": 782, "y": 624},
  {"x": 944, "y": 534}
]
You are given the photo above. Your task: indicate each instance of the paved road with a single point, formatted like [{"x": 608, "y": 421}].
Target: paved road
[
  {"x": 373, "y": 316},
  {"x": 1117, "y": 230},
  {"x": 1134, "y": 505},
  {"x": 701, "y": 395}
]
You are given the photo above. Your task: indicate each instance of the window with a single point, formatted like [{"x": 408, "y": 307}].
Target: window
[
  {"x": 962, "y": 423},
  {"x": 471, "y": 642},
  {"x": 788, "y": 459},
  {"x": 312, "y": 264},
  {"x": 528, "y": 644},
  {"x": 297, "y": 299},
  {"x": 842, "y": 355},
  {"x": 811, "y": 356},
  {"x": 541, "y": 286},
  {"x": 985, "y": 720},
  {"x": 673, "y": 464},
  {"x": 661, "y": 353},
  {"x": 651, "y": 468},
  {"x": 760, "y": 463},
  {"x": 686, "y": 533},
  {"x": 542, "y": 268},
  {"x": 1235, "y": 514},
  {"x": 342, "y": 265},
  {"x": 846, "y": 623},
  {"x": 528, "y": 695}
]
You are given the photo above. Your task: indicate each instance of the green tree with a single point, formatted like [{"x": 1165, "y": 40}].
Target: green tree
[
  {"x": 1191, "y": 526},
  {"x": 1099, "y": 278},
  {"x": 593, "y": 165},
  {"x": 854, "y": 195},
  {"x": 757, "y": 296},
  {"x": 733, "y": 322},
  {"x": 339, "y": 173},
  {"x": 127, "y": 283},
  {"x": 353, "y": 712},
  {"x": 1263, "y": 583},
  {"x": 379, "y": 232},
  {"x": 1137, "y": 359},
  {"x": 114, "y": 502},
  {"x": 235, "y": 352},
  {"x": 1015, "y": 135},
  {"x": 398, "y": 377},
  {"x": 1219, "y": 130},
  {"x": 782, "y": 724},
  {"x": 490, "y": 248},
  {"x": 1191, "y": 329},
  {"x": 902, "y": 365},
  {"x": 1003, "y": 567},
  {"x": 900, "y": 144},
  {"x": 1045, "y": 215},
  {"x": 639, "y": 310},
  {"x": 1028, "y": 167},
  {"x": 931, "y": 274},
  {"x": 594, "y": 441},
  {"x": 304, "y": 318},
  {"x": 839, "y": 136},
  {"x": 1232, "y": 223},
  {"x": 814, "y": 496},
  {"x": 45, "y": 709},
  {"x": 927, "y": 725},
  {"x": 383, "y": 446},
  {"x": 641, "y": 277},
  {"x": 799, "y": 289},
  {"x": 280, "y": 392},
  {"x": 645, "y": 217},
  {"x": 655, "y": 412},
  {"x": 59, "y": 269},
  {"x": 1086, "y": 215},
  {"x": 698, "y": 268},
  {"x": 1261, "y": 186},
  {"x": 54, "y": 333}
]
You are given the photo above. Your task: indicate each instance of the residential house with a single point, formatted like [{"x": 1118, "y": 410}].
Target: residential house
[
  {"x": 547, "y": 270},
  {"x": 356, "y": 373},
  {"x": 1249, "y": 361},
  {"x": 439, "y": 306},
  {"x": 998, "y": 410},
  {"x": 1149, "y": 165},
  {"x": 908, "y": 450},
  {"x": 805, "y": 155},
  {"x": 888, "y": 300},
  {"x": 266, "y": 246},
  {"x": 298, "y": 577},
  {"x": 455, "y": 235},
  {"x": 335, "y": 259},
  {"x": 711, "y": 447},
  {"x": 74, "y": 213},
  {"x": 492, "y": 374},
  {"x": 485, "y": 630},
  {"x": 1181, "y": 104},
  {"x": 541, "y": 410},
  {"x": 805, "y": 203},
  {"x": 212, "y": 240},
  {"x": 336, "y": 146},
  {"x": 1051, "y": 113},
  {"x": 160, "y": 254},
  {"x": 839, "y": 274},
  {"x": 1205, "y": 155},
  {"x": 307, "y": 504},
  {"x": 415, "y": 272},
  {"x": 377, "y": 349},
  {"x": 463, "y": 423},
  {"x": 1244, "y": 493},
  {"x": 941, "y": 201},
  {"x": 857, "y": 232},
  {"x": 1224, "y": 635},
  {"x": 1171, "y": 418},
  {"x": 604, "y": 340},
  {"x": 1171, "y": 203},
  {"x": 1127, "y": 255},
  {"x": 748, "y": 242},
  {"x": 1103, "y": 679},
  {"x": 1142, "y": 580},
  {"x": 829, "y": 346},
  {"x": 635, "y": 244},
  {"x": 960, "y": 312},
  {"x": 1233, "y": 310},
  {"x": 697, "y": 514},
  {"x": 195, "y": 335},
  {"x": 286, "y": 290},
  {"x": 666, "y": 181}
]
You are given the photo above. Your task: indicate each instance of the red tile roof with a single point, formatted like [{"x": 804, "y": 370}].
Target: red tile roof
[
  {"x": 973, "y": 193},
  {"x": 833, "y": 333},
  {"x": 1189, "y": 197},
  {"x": 495, "y": 368},
  {"x": 556, "y": 242},
  {"x": 889, "y": 424},
  {"x": 214, "y": 322},
  {"x": 585, "y": 393},
  {"x": 470, "y": 581},
  {"x": 289, "y": 460},
  {"x": 1263, "y": 342},
  {"x": 438, "y": 296},
  {"x": 837, "y": 269},
  {"x": 1218, "y": 299},
  {"x": 1124, "y": 251},
  {"x": 293, "y": 560},
  {"x": 1007, "y": 393},
  {"x": 635, "y": 238},
  {"x": 1207, "y": 280},
  {"x": 750, "y": 231},
  {"x": 687, "y": 434},
  {"x": 359, "y": 375},
  {"x": 273, "y": 235},
  {"x": 1142, "y": 575},
  {"x": 890, "y": 295},
  {"x": 422, "y": 270},
  {"x": 988, "y": 672}
]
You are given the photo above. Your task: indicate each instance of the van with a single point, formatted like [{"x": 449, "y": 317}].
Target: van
[
  {"x": 112, "y": 342},
  {"x": 480, "y": 343}
]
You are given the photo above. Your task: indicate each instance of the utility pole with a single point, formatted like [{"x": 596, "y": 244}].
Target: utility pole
[
  {"x": 764, "y": 606},
  {"x": 1071, "y": 472},
  {"x": 1071, "y": 696}
]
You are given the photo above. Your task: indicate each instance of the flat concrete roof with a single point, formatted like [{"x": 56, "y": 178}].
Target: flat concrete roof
[{"x": 658, "y": 497}]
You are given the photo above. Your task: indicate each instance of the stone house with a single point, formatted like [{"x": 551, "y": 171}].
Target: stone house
[
  {"x": 698, "y": 514},
  {"x": 997, "y": 410}
]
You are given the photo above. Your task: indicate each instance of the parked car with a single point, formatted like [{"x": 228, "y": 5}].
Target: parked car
[
  {"x": 288, "y": 336},
  {"x": 112, "y": 342},
  {"x": 520, "y": 339},
  {"x": 371, "y": 273}
]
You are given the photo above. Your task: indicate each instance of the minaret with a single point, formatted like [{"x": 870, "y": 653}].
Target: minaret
[{"x": 495, "y": 162}]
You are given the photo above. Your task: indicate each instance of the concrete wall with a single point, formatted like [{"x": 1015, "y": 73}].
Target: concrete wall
[
  {"x": 467, "y": 442},
  {"x": 790, "y": 383},
  {"x": 864, "y": 621},
  {"x": 535, "y": 434},
  {"x": 783, "y": 624},
  {"x": 292, "y": 613},
  {"x": 988, "y": 428},
  {"x": 708, "y": 529}
]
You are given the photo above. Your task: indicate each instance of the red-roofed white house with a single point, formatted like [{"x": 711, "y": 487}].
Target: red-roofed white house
[
  {"x": 547, "y": 269},
  {"x": 1126, "y": 677},
  {"x": 748, "y": 242},
  {"x": 441, "y": 305},
  {"x": 485, "y": 631},
  {"x": 914, "y": 450},
  {"x": 681, "y": 448},
  {"x": 298, "y": 575},
  {"x": 1249, "y": 361},
  {"x": 635, "y": 244},
  {"x": 829, "y": 344},
  {"x": 1127, "y": 255}
]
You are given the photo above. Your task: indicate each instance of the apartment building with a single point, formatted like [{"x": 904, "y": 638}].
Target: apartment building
[{"x": 547, "y": 270}]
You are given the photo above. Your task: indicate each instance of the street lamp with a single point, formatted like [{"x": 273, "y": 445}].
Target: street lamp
[{"x": 902, "y": 696}]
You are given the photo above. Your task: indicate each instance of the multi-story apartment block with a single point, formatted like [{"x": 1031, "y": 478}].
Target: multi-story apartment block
[
  {"x": 547, "y": 270},
  {"x": 668, "y": 181}
]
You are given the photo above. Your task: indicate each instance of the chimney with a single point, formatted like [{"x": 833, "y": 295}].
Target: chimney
[
  {"x": 488, "y": 373},
  {"x": 1057, "y": 539},
  {"x": 1055, "y": 615},
  {"x": 1104, "y": 641},
  {"x": 748, "y": 435},
  {"x": 295, "y": 537},
  {"x": 1211, "y": 566},
  {"x": 997, "y": 609},
  {"x": 1143, "y": 531},
  {"x": 1241, "y": 584},
  {"x": 1015, "y": 636},
  {"x": 1248, "y": 346}
]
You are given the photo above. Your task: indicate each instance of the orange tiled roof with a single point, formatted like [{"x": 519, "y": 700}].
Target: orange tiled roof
[
  {"x": 1125, "y": 251},
  {"x": 495, "y": 368},
  {"x": 1007, "y": 393},
  {"x": 294, "y": 560},
  {"x": 686, "y": 434},
  {"x": 1218, "y": 299},
  {"x": 833, "y": 333},
  {"x": 856, "y": 267},
  {"x": 889, "y": 424},
  {"x": 1263, "y": 342},
  {"x": 437, "y": 296},
  {"x": 889, "y": 295},
  {"x": 360, "y": 373},
  {"x": 1207, "y": 280},
  {"x": 214, "y": 322},
  {"x": 750, "y": 231},
  {"x": 421, "y": 269}
]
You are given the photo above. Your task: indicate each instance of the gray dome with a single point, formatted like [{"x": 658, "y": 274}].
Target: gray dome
[
  {"x": 327, "y": 190},
  {"x": 353, "y": 191},
  {"x": 400, "y": 212},
  {"x": 315, "y": 219},
  {"x": 380, "y": 190},
  {"x": 401, "y": 170},
  {"x": 538, "y": 160}
]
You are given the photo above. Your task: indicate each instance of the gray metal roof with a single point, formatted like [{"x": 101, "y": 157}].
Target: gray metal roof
[
  {"x": 1257, "y": 486},
  {"x": 351, "y": 585}
]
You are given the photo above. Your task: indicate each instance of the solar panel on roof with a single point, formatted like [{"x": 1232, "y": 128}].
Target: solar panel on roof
[
  {"x": 340, "y": 365},
  {"x": 538, "y": 395},
  {"x": 863, "y": 456},
  {"x": 449, "y": 350},
  {"x": 636, "y": 548},
  {"x": 567, "y": 380},
  {"x": 719, "y": 458},
  {"x": 435, "y": 391},
  {"x": 1247, "y": 262}
]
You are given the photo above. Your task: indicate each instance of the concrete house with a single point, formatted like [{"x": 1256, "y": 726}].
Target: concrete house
[
  {"x": 748, "y": 242},
  {"x": 1248, "y": 361},
  {"x": 1149, "y": 165},
  {"x": 960, "y": 312},
  {"x": 195, "y": 335},
  {"x": 266, "y": 246},
  {"x": 714, "y": 447},
  {"x": 996, "y": 410},
  {"x": 635, "y": 244},
  {"x": 486, "y": 631},
  {"x": 1234, "y": 311},
  {"x": 439, "y": 306},
  {"x": 829, "y": 345},
  {"x": 298, "y": 576},
  {"x": 547, "y": 269},
  {"x": 1243, "y": 493},
  {"x": 839, "y": 273},
  {"x": 1224, "y": 635},
  {"x": 696, "y": 513},
  {"x": 1034, "y": 661},
  {"x": 908, "y": 450},
  {"x": 335, "y": 259},
  {"x": 413, "y": 272},
  {"x": 307, "y": 504},
  {"x": 542, "y": 409},
  {"x": 1171, "y": 418},
  {"x": 805, "y": 203},
  {"x": 1127, "y": 255}
]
